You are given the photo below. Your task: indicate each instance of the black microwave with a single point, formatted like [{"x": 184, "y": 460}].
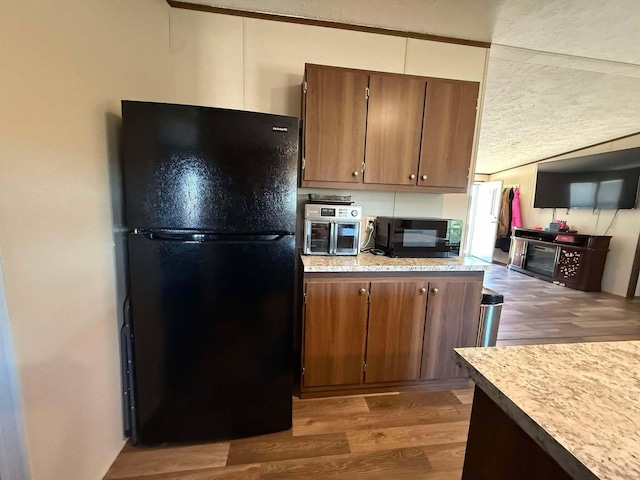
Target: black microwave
[{"x": 418, "y": 237}]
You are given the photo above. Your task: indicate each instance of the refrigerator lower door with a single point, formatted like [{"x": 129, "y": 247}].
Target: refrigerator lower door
[{"x": 212, "y": 337}]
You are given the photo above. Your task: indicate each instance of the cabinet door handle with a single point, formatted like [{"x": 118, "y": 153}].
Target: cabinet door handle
[
  {"x": 424, "y": 177},
  {"x": 434, "y": 290},
  {"x": 423, "y": 290},
  {"x": 363, "y": 291},
  {"x": 355, "y": 174},
  {"x": 412, "y": 176}
]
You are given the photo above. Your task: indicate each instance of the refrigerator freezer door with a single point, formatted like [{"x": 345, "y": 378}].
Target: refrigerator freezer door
[
  {"x": 212, "y": 169},
  {"x": 212, "y": 337}
]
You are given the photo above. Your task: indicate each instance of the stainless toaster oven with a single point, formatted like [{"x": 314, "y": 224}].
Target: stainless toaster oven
[{"x": 332, "y": 229}]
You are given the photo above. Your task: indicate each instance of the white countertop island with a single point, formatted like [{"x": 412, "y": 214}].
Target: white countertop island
[{"x": 579, "y": 402}]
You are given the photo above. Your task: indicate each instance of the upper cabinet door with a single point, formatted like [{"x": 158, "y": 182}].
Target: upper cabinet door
[
  {"x": 447, "y": 137},
  {"x": 335, "y": 121},
  {"x": 394, "y": 126}
]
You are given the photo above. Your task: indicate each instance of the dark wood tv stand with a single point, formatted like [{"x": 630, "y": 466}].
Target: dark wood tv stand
[{"x": 578, "y": 264}]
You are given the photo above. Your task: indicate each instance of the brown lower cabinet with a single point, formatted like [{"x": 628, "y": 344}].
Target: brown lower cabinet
[
  {"x": 395, "y": 332},
  {"x": 382, "y": 333},
  {"x": 452, "y": 321},
  {"x": 335, "y": 333}
]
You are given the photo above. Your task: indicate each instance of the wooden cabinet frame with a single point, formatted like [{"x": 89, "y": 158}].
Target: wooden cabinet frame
[
  {"x": 420, "y": 377},
  {"x": 449, "y": 141}
]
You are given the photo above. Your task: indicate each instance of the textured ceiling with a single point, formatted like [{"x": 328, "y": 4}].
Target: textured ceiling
[
  {"x": 583, "y": 89},
  {"x": 534, "y": 111},
  {"x": 603, "y": 29}
]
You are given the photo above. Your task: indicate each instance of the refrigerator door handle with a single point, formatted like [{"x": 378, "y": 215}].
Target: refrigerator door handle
[{"x": 201, "y": 237}]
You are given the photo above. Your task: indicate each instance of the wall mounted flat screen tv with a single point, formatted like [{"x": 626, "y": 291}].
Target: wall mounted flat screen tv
[{"x": 603, "y": 181}]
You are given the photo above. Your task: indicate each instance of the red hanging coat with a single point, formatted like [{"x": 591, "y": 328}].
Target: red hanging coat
[{"x": 516, "y": 220}]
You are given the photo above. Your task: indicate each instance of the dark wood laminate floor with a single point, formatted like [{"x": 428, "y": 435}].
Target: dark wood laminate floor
[
  {"x": 541, "y": 312},
  {"x": 413, "y": 435}
]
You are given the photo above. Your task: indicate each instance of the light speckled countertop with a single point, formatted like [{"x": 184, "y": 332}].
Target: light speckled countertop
[
  {"x": 580, "y": 402},
  {"x": 366, "y": 262}
]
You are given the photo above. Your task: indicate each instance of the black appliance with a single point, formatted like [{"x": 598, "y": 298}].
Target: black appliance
[
  {"x": 418, "y": 237},
  {"x": 210, "y": 201},
  {"x": 605, "y": 181}
]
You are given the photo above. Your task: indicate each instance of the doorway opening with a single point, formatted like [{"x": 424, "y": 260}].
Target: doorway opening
[{"x": 483, "y": 220}]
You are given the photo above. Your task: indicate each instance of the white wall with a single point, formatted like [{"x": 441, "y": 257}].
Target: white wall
[
  {"x": 624, "y": 230},
  {"x": 258, "y": 65},
  {"x": 64, "y": 67}
]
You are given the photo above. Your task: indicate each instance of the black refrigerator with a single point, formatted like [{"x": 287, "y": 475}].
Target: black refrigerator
[{"x": 210, "y": 206}]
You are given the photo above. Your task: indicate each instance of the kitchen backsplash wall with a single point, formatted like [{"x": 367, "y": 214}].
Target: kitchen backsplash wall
[
  {"x": 375, "y": 204},
  {"x": 386, "y": 203}
]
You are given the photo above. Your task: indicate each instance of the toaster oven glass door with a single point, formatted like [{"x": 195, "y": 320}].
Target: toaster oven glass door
[
  {"x": 347, "y": 238},
  {"x": 318, "y": 238}
]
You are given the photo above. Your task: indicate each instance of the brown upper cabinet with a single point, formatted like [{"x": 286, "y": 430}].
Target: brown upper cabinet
[
  {"x": 394, "y": 126},
  {"x": 383, "y": 131},
  {"x": 335, "y": 123},
  {"x": 447, "y": 134}
]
